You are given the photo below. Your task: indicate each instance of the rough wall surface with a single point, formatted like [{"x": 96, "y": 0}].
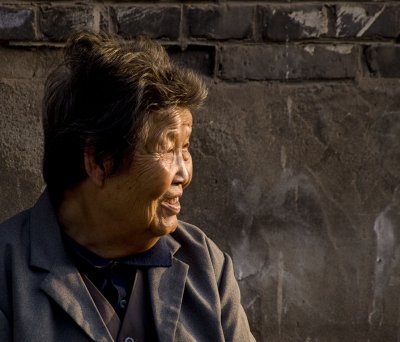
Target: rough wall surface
[{"x": 297, "y": 151}]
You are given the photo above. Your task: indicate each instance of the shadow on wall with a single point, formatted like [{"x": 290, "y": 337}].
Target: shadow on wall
[
  {"x": 384, "y": 316},
  {"x": 302, "y": 252},
  {"x": 307, "y": 266}
]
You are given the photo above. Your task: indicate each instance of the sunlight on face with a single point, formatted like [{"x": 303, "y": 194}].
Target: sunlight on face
[{"x": 146, "y": 197}]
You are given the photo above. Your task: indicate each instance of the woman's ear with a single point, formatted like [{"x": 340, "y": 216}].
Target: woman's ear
[{"x": 97, "y": 173}]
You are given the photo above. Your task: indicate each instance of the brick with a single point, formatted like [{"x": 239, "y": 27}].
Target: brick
[
  {"x": 293, "y": 62},
  {"x": 281, "y": 23},
  {"x": 383, "y": 61},
  {"x": 155, "y": 21},
  {"x": 16, "y": 23},
  {"x": 58, "y": 22},
  {"x": 220, "y": 22},
  {"x": 367, "y": 21},
  {"x": 197, "y": 57}
]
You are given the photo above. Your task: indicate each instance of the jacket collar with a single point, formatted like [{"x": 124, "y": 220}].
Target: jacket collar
[
  {"x": 65, "y": 285},
  {"x": 46, "y": 244}
]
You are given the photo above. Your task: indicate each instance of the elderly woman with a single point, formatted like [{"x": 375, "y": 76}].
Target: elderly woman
[{"x": 102, "y": 255}]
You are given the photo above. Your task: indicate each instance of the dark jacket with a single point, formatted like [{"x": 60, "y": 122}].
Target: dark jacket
[{"x": 44, "y": 298}]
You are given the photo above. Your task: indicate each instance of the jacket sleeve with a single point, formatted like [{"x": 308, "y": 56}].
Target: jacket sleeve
[
  {"x": 233, "y": 317},
  {"x": 5, "y": 329}
]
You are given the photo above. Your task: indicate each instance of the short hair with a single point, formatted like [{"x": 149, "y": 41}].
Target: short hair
[{"x": 100, "y": 97}]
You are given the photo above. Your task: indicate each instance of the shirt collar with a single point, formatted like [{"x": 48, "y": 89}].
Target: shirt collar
[{"x": 157, "y": 256}]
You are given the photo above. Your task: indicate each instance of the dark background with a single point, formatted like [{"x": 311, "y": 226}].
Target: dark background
[{"x": 296, "y": 152}]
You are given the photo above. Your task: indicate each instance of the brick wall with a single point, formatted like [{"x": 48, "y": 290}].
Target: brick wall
[
  {"x": 232, "y": 40},
  {"x": 296, "y": 152}
]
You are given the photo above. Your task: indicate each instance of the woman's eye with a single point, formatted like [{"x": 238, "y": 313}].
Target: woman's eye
[{"x": 166, "y": 148}]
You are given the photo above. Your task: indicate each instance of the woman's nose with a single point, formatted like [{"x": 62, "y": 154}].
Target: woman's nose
[{"x": 183, "y": 173}]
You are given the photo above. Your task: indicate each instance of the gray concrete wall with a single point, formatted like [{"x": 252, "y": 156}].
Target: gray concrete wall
[{"x": 297, "y": 151}]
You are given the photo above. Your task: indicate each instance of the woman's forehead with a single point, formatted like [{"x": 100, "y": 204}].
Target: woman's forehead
[
  {"x": 171, "y": 119},
  {"x": 167, "y": 125},
  {"x": 174, "y": 116}
]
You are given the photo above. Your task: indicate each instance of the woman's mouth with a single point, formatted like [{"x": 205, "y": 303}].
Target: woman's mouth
[{"x": 172, "y": 205}]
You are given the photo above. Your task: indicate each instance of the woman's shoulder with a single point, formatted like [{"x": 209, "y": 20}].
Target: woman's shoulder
[
  {"x": 196, "y": 245},
  {"x": 12, "y": 228},
  {"x": 189, "y": 231},
  {"x": 192, "y": 235}
]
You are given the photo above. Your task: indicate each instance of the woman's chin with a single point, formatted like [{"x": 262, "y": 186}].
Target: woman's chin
[{"x": 165, "y": 225}]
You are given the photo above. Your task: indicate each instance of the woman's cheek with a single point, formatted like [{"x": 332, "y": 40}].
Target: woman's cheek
[
  {"x": 159, "y": 178},
  {"x": 189, "y": 168}
]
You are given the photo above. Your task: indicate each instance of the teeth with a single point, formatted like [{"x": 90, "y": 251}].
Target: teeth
[{"x": 173, "y": 200}]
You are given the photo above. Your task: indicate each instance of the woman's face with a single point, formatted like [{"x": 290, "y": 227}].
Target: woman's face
[{"x": 145, "y": 198}]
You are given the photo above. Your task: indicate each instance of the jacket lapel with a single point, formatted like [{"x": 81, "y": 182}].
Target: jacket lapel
[
  {"x": 166, "y": 286},
  {"x": 68, "y": 290},
  {"x": 63, "y": 283}
]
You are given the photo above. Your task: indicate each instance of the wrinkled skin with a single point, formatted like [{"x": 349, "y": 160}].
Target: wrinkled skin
[
  {"x": 127, "y": 212},
  {"x": 146, "y": 196}
]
